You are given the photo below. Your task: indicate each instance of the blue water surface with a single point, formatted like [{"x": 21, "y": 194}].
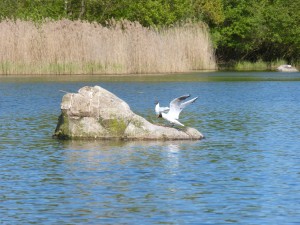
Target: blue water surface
[{"x": 246, "y": 170}]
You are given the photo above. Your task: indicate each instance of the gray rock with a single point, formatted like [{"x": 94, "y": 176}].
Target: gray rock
[
  {"x": 286, "y": 68},
  {"x": 95, "y": 113}
]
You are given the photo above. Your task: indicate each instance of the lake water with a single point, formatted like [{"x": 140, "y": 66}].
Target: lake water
[{"x": 246, "y": 170}]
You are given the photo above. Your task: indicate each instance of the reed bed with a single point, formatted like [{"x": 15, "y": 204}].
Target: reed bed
[{"x": 77, "y": 47}]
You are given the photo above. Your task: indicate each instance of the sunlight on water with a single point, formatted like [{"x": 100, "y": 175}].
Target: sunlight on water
[{"x": 246, "y": 170}]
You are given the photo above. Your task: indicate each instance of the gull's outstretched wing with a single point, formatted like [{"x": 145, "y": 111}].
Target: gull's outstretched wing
[
  {"x": 176, "y": 106},
  {"x": 185, "y": 104}
]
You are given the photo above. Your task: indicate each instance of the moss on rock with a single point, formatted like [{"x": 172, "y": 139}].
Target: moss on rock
[{"x": 62, "y": 129}]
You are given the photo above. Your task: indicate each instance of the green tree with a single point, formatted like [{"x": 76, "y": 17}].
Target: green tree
[
  {"x": 281, "y": 36},
  {"x": 259, "y": 29},
  {"x": 238, "y": 34}
]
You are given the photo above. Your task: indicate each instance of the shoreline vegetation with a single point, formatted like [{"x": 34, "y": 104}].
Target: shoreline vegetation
[
  {"x": 123, "y": 47},
  {"x": 253, "y": 66},
  {"x": 83, "y": 37}
]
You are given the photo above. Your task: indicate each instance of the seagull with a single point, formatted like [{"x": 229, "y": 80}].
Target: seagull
[
  {"x": 159, "y": 110},
  {"x": 176, "y": 106}
]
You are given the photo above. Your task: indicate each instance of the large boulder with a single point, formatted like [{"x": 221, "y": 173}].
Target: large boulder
[{"x": 95, "y": 113}]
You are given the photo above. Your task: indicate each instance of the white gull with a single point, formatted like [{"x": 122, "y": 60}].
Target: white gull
[{"x": 176, "y": 106}]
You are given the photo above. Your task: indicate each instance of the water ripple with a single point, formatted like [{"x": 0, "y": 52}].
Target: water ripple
[{"x": 246, "y": 171}]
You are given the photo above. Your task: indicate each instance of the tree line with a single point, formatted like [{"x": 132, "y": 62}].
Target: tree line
[{"x": 249, "y": 30}]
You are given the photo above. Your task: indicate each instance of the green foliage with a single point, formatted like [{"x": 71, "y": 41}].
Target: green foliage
[
  {"x": 282, "y": 31},
  {"x": 237, "y": 32},
  {"x": 259, "y": 29},
  {"x": 147, "y": 12},
  {"x": 212, "y": 12},
  {"x": 35, "y": 10}
]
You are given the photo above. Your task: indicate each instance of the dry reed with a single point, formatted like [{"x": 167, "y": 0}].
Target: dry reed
[{"x": 76, "y": 47}]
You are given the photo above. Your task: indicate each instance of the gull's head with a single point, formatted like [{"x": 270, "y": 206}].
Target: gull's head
[{"x": 157, "y": 108}]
